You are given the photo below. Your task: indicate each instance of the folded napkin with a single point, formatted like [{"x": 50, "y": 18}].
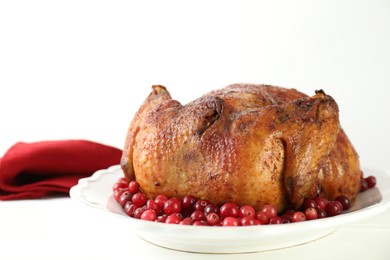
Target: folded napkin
[{"x": 34, "y": 170}]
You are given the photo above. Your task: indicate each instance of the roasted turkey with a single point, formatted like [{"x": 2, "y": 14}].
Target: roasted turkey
[{"x": 249, "y": 144}]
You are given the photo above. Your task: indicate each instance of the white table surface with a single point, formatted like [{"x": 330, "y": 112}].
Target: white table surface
[{"x": 80, "y": 69}]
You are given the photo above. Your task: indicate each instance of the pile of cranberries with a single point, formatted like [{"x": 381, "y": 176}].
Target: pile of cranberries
[{"x": 199, "y": 212}]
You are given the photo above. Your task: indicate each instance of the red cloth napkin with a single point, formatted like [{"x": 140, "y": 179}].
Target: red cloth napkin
[{"x": 33, "y": 170}]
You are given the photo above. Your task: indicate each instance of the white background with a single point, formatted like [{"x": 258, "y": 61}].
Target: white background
[{"x": 80, "y": 69}]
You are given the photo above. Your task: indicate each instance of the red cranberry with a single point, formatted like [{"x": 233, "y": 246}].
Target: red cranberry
[
  {"x": 339, "y": 206},
  {"x": 149, "y": 215},
  {"x": 151, "y": 204},
  {"x": 229, "y": 209},
  {"x": 201, "y": 205},
  {"x": 275, "y": 220},
  {"x": 173, "y": 218},
  {"x": 186, "y": 221},
  {"x": 125, "y": 197},
  {"x": 247, "y": 221},
  {"x": 138, "y": 212},
  {"x": 363, "y": 185},
  {"x": 188, "y": 202},
  {"x": 321, "y": 202},
  {"x": 120, "y": 185},
  {"x": 270, "y": 210},
  {"x": 309, "y": 203},
  {"x": 162, "y": 218},
  {"x": 179, "y": 215},
  {"x": 130, "y": 208},
  {"x": 160, "y": 200},
  {"x": 139, "y": 199},
  {"x": 286, "y": 217},
  {"x": 321, "y": 213},
  {"x": 246, "y": 211},
  {"x": 199, "y": 223},
  {"x": 123, "y": 179},
  {"x": 212, "y": 219},
  {"x": 288, "y": 213},
  {"x": 298, "y": 216},
  {"x": 333, "y": 209},
  {"x": 230, "y": 221},
  {"x": 172, "y": 205},
  {"x": 118, "y": 192},
  {"x": 311, "y": 213},
  {"x": 371, "y": 181},
  {"x": 344, "y": 201},
  {"x": 133, "y": 187},
  {"x": 198, "y": 215},
  {"x": 262, "y": 217},
  {"x": 211, "y": 208}
]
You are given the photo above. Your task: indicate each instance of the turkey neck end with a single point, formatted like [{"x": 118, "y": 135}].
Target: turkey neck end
[{"x": 309, "y": 134}]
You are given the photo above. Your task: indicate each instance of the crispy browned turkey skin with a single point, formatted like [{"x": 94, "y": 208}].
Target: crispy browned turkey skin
[{"x": 250, "y": 144}]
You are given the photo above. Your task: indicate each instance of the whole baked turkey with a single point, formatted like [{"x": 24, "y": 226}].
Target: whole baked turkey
[{"x": 249, "y": 144}]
